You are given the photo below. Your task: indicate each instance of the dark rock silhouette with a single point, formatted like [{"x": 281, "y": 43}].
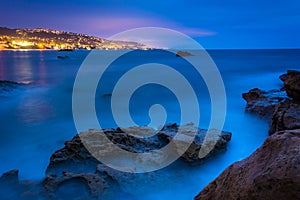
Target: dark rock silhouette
[
  {"x": 10, "y": 86},
  {"x": 183, "y": 53},
  {"x": 62, "y": 57}
]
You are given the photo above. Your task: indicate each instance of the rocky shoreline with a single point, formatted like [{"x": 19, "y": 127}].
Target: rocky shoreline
[
  {"x": 73, "y": 170},
  {"x": 281, "y": 107},
  {"x": 273, "y": 170}
]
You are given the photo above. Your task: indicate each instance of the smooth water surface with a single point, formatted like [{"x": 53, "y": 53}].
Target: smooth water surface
[{"x": 36, "y": 119}]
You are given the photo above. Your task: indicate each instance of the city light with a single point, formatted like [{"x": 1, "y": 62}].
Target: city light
[{"x": 59, "y": 40}]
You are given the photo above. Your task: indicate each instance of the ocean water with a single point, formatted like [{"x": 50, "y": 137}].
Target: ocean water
[{"x": 36, "y": 119}]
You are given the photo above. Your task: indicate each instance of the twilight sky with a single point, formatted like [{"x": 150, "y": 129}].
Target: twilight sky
[{"x": 214, "y": 24}]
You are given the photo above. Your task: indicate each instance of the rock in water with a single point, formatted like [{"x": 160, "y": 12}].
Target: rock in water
[
  {"x": 183, "y": 53},
  {"x": 10, "y": 86},
  {"x": 10, "y": 177},
  {"x": 62, "y": 57},
  {"x": 73, "y": 173},
  {"x": 192, "y": 154},
  {"x": 271, "y": 172},
  {"x": 75, "y": 158},
  {"x": 12, "y": 188},
  {"x": 281, "y": 110},
  {"x": 263, "y": 103},
  {"x": 67, "y": 186},
  {"x": 74, "y": 186},
  {"x": 292, "y": 83}
]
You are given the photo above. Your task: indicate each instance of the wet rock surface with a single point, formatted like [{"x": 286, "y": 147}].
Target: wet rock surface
[
  {"x": 75, "y": 153},
  {"x": 263, "y": 103},
  {"x": 271, "y": 172},
  {"x": 286, "y": 116},
  {"x": 201, "y": 142},
  {"x": 78, "y": 186}
]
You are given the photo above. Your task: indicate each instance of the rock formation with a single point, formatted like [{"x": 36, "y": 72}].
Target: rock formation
[
  {"x": 271, "y": 172},
  {"x": 79, "y": 186},
  {"x": 280, "y": 107},
  {"x": 74, "y": 173},
  {"x": 75, "y": 154},
  {"x": 263, "y": 103},
  {"x": 286, "y": 116},
  {"x": 291, "y": 82},
  {"x": 12, "y": 188}
]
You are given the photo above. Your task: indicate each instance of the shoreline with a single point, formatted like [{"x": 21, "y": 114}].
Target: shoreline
[
  {"x": 253, "y": 177},
  {"x": 278, "y": 49}
]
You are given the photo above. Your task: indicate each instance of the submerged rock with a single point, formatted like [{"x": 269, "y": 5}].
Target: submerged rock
[
  {"x": 67, "y": 186},
  {"x": 10, "y": 177},
  {"x": 12, "y": 188},
  {"x": 291, "y": 82},
  {"x": 271, "y": 172},
  {"x": 62, "y": 57},
  {"x": 9, "y": 86}
]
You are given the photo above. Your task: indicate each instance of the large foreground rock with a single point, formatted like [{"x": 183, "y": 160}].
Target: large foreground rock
[
  {"x": 271, "y": 172},
  {"x": 75, "y": 158},
  {"x": 73, "y": 173}
]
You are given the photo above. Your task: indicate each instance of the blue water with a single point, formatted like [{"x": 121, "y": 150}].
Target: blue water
[{"x": 37, "y": 119}]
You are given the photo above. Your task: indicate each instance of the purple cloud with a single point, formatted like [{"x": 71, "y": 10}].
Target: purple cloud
[{"x": 106, "y": 26}]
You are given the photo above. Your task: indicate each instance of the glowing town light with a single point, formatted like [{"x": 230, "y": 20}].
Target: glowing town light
[{"x": 22, "y": 43}]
